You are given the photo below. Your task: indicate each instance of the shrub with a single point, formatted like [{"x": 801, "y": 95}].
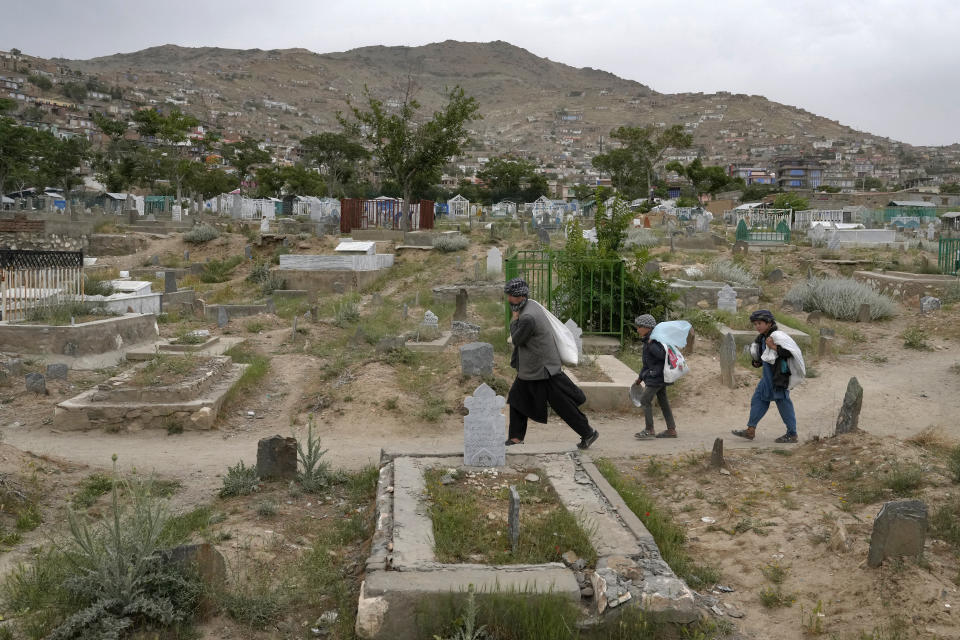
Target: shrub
[
  {"x": 640, "y": 238},
  {"x": 96, "y": 287},
  {"x": 316, "y": 473},
  {"x": 200, "y": 234},
  {"x": 447, "y": 242},
  {"x": 915, "y": 338},
  {"x": 219, "y": 270},
  {"x": 726, "y": 271},
  {"x": 345, "y": 313},
  {"x": 240, "y": 480},
  {"x": 840, "y": 298}
]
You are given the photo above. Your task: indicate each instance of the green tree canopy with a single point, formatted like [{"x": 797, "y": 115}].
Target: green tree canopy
[
  {"x": 631, "y": 166},
  {"x": 243, "y": 155},
  {"x": 512, "y": 179},
  {"x": 791, "y": 200},
  {"x": 338, "y": 155}
]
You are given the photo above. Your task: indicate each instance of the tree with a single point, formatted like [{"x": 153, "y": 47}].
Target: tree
[
  {"x": 170, "y": 131},
  {"x": 302, "y": 181},
  {"x": 20, "y": 150},
  {"x": 755, "y": 192},
  {"x": 212, "y": 182},
  {"x": 950, "y": 188},
  {"x": 513, "y": 179},
  {"x": 41, "y": 82},
  {"x": 74, "y": 91},
  {"x": 115, "y": 129},
  {"x": 407, "y": 148},
  {"x": 243, "y": 155},
  {"x": 790, "y": 200},
  {"x": 61, "y": 160},
  {"x": 712, "y": 179},
  {"x": 337, "y": 154},
  {"x": 631, "y": 166},
  {"x": 7, "y": 104},
  {"x": 869, "y": 183}
]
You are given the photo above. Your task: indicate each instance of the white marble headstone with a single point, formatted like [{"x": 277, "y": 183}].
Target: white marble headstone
[
  {"x": 727, "y": 299},
  {"x": 484, "y": 429},
  {"x": 430, "y": 319},
  {"x": 264, "y": 225},
  {"x": 494, "y": 261}
]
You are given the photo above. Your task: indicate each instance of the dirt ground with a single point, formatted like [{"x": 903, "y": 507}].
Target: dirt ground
[{"x": 368, "y": 404}]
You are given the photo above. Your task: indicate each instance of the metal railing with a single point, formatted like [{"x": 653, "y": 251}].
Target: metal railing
[
  {"x": 31, "y": 280},
  {"x": 780, "y": 234},
  {"x": 948, "y": 257},
  {"x": 588, "y": 290},
  {"x": 357, "y": 213}
]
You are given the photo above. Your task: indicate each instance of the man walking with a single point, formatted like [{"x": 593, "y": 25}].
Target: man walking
[
  {"x": 651, "y": 381},
  {"x": 540, "y": 380}
]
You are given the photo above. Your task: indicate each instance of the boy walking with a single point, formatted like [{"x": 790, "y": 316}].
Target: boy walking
[{"x": 651, "y": 381}]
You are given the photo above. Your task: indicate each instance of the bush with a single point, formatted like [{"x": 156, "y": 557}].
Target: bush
[
  {"x": 345, "y": 313},
  {"x": 915, "y": 338},
  {"x": 96, "y": 287},
  {"x": 219, "y": 270},
  {"x": 200, "y": 234},
  {"x": 840, "y": 298},
  {"x": 240, "y": 480},
  {"x": 726, "y": 271},
  {"x": 316, "y": 473},
  {"x": 641, "y": 238},
  {"x": 448, "y": 242}
]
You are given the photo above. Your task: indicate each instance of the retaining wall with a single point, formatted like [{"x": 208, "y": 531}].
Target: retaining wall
[
  {"x": 85, "y": 339},
  {"x": 907, "y": 287}
]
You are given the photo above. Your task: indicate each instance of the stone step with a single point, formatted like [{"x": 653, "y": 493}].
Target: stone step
[{"x": 601, "y": 345}]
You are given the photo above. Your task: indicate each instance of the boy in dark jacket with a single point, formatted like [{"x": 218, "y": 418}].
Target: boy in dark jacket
[{"x": 651, "y": 381}]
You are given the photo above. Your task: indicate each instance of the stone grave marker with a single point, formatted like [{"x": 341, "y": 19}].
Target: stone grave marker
[
  {"x": 494, "y": 261},
  {"x": 155, "y": 260},
  {"x": 186, "y": 256},
  {"x": 57, "y": 371},
  {"x": 459, "y": 261},
  {"x": 931, "y": 232},
  {"x": 376, "y": 299},
  {"x": 293, "y": 329},
  {"x": 169, "y": 282},
  {"x": 36, "y": 383},
  {"x": 14, "y": 366},
  {"x": 850, "y": 409},
  {"x": 390, "y": 343},
  {"x": 544, "y": 236},
  {"x": 248, "y": 252},
  {"x": 513, "y": 519},
  {"x": 825, "y": 347},
  {"x": 176, "y": 213},
  {"x": 814, "y": 316},
  {"x": 484, "y": 429},
  {"x": 728, "y": 360},
  {"x": 403, "y": 311},
  {"x": 477, "y": 271},
  {"x": 416, "y": 299},
  {"x": 476, "y": 359},
  {"x": 716, "y": 456},
  {"x": 277, "y": 458},
  {"x": 339, "y": 287},
  {"x": 900, "y": 529},
  {"x": 430, "y": 327},
  {"x": 727, "y": 299},
  {"x": 462, "y": 329},
  {"x": 775, "y": 276},
  {"x": 264, "y": 225},
  {"x": 286, "y": 241},
  {"x": 863, "y": 313},
  {"x": 460, "y": 312},
  {"x": 929, "y": 303},
  {"x": 577, "y": 334},
  {"x": 222, "y": 318}
]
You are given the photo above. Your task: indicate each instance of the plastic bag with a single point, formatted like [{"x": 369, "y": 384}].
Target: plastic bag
[
  {"x": 674, "y": 332},
  {"x": 566, "y": 344},
  {"x": 674, "y": 365}
]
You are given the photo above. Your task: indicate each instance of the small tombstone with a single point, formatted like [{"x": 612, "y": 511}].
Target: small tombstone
[
  {"x": 204, "y": 561},
  {"x": 467, "y": 330},
  {"x": 359, "y": 337},
  {"x": 459, "y": 261},
  {"x": 850, "y": 409},
  {"x": 775, "y": 276},
  {"x": 900, "y": 529},
  {"x": 931, "y": 232},
  {"x": 476, "y": 270},
  {"x": 416, "y": 299},
  {"x": 169, "y": 282},
  {"x": 57, "y": 371},
  {"x": 286, "y": 241},
  {"x": 264, "y": 225},
  {"x": 524, "y": 227},
  {"x": 484, "y": 429},
  {"x": 277, "y": 458},
  {"x": 430, "y": 327},
  {"x": 929, "y": 303},
  {"x": 476, "y": 359},
  {"x": 577, "y": 334},
  {"x": 36, "y": 383},
  {"x": 728, "y": 360},
  {"x": 863, "y": 313},
  {"x": 494, "y": 261},
  {"x": 271, "y": 305},
  {"x": 646, "y": 222},
  {"x": 809, "y": 273},
  {"x": 827, "y": 331},
  {"x": 513, "y": 519},
  {"x": 825, "y": 348},
  {"x": 652, "y": 266},
  {"x": 186, "y": 256},
  {"x": 716, "y": 456},
  {"x": 315, "y": 313},
  {"x": 339, "y": 287},
  {"x": 543, "y": 236},
  {"x": 376, "y": 299},
  {"x": 14, "y": 366},
  {"x": 248, "y": 252},
  {"x": 222, "y": 317},
  {"x": 403, "y": 311},
  {"x": 293, "y": 329},
  {"x": 814, "y": 317},
  {"x": 155, "y": 260},
  {"x": 672, "y": 248},
  {"x": 460, "y": 313},
  {"x": 727, "y": 299}
]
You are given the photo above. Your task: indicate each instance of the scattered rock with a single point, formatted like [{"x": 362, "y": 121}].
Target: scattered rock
[
  {"x": 532, "y": 477},
  {"x": 900, "y": 529},
  {"x": 491, "y": 515},
  {"x": 586, "y": 592},
  {"x": 724, "y": 472},
  {"x": 569, "y": 558},
  {"x": 447, "y": 479}
]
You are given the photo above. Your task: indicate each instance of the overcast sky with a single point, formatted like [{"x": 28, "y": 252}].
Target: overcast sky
[{"x": 887, "y": 67}]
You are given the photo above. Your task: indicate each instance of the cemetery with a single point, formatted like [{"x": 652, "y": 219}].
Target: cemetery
[{"x": 331, "y": 411}]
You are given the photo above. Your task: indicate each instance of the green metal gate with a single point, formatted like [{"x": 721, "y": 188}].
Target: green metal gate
[
  {"x": 589, "y": 290},
  {"x": 949, "y": 256}
]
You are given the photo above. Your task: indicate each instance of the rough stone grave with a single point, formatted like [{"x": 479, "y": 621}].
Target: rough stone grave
[
  {"x": 57, "y": 371},
  {"x": 277, "y": 458},
  {"x": 465, "y": 330},
  {"x": 544, "y": 236},
  {"x": 814, "y": 316},
  {"x": 155, "y": 260},
  {"x": 727, "y": 299},
  {"x": 863, "y": 313},
  {"x": 222, "y": 317},
  {"x": 849, "y": 416},
  {"x": 186, "y": 256},
  {"x": 775, "y": 276},
  {"x": 476, "y": 359},
  {"x": 716, "y": 455},
  {"x": 494, "y": 261},
  {"x": 577, "y": 334},
  {"x": 169, "y": 282},
  {"x": 36, "y": 383},
  {"x": 900, "y": 529},
  {"x": 728, "y": 360},
  {"x": 460, "y": 312},
  {"x": 513, "y": 519},
  {"x": 929, "y": 303},
  {"x": 248, "y": 252},
  {"x": 484, "y": 429}
]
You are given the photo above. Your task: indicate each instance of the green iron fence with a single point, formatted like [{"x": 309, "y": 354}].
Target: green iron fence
[
  {"x": 589, "y": 290},
  {"x": 949, "y": 256},
  {"x": 780, "y": 234}
]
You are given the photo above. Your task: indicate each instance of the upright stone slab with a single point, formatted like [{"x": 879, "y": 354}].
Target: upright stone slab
[
  {"x": 577, "y": 334},
  {"x": 513, "y": 519},
  {"x": 775, "y": 276},
  {"x": 403, "y": 311},
  {"x": 727, "y": 299},
  {"x": 716, "y": 456},
  {"x": 430, "y": 327},
  {"x": 494, "y": 261},
  {"x": 248, "y": 252},
  {"x": 36, "y": 383},
  {"x": 169, "y": 282},
  {"x": 931, "y": 232},
  {"x": 929, "y": 303},
  {"x": 264, "y": 225},
  {"x": 850, "y": 410},
  {"x": 277, "y": 458},
  {"x": 476, "y": 359},
  {"x": 57, "y": 371},
  {"x": 460, "y": 312},
  {"x": 186, "y": 256},
  {"x": 900, "y": 529},
  {"x": 155, "y": 260},
  {"x": 484, "y": 429},
  {"x": 543, "y": 236},
  {"x": 728, "y": 360},
  {"x": 863, "y": 314},
  {"x": 222, "y": 317}
]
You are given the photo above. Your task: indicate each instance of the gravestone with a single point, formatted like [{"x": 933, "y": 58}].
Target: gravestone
[
  {"x": 430, "y": 327},
  {"x": 727, "y": 299},
  {"x": 277, "y": 458},
  {"x": 466, "y": 330},
  {"x": 339, "y": 287},
  {"x": 416, "y": 299},
  {"x": 14, "y": 366},
  {"x": 271, "y": 305},
  {"x": 222, "y": 317},
  {"x": 900, "y": 529},
  {"x": 403, "y": 311},
  {"x": 460, "y": 313},
  {"x": 543, "y": 236},
  {"x": 494, "y": 261},
  {"x": 376, "y": 299},
  {"x": 863, "y": 313},
  {"x": 476, "y": 359},
  {"x": 286, "y": 241},
  {"x": 477, "y": 270},
  {"x": 293, "y": 329},
  {"x": 652, "y": 266},
  {"x": 850, "y": 409},
  {"x": 513, "y": 519},
  {"x": 931, "y": 232},
  {"x": 929, "y": 303},
  {"x": 169, "y": 282},
  {"x": 728, "y": 360},
  {"x": 57, "y": 371},
  {"x": 459, "y": 261},
  {"x": 646, "y": 222},
  {"x": 577, "y": 334},
  {"x": 817, "y": 235},
  {"x": 155, "y": 260},
  {"x": 825, "y": 348},
  {"x": 176, "y": 213},
  {"x": 264, "y": 225},
  {"x": 484, "y": 429},
  {"x": 359, "y": 337},
  {"x": 672, "y": 248},
  {"x": 716, "y": 456},
  {"x": 775, "y": 276},
  {"x": 36, "y": 383},
  {"x": 248, "y": 252}
]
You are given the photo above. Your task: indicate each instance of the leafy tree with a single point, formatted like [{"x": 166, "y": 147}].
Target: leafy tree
[
  {"x": 61, "y": 161},
  {"x": 169, "y": 131},
  {"x": 212, "y": 182},
  {"x": 513, "y": 179},
  {"x": 826, "y": 188},
  {"x": 790, "y": 200},
  {"x": 243, "y": 155},
  {"x": 7, "y": 104},
  {"x": 41, "y": 82},
  {"x": 269, "y": 182},
  {"x": 338, "y": 155},
  {"x": 115, "y": 129},
  {"x": 950, "y": 188},
  {"x": 407, "y": 148},
  {"x": 20, "y": 151},
  {"x": 755, "y": 192},
  {"x": 631, "y": 166},
  {"x": 74, "y": 91},
  {"x": 869, "y": 183},
  {"x": 302, "y": 181}
]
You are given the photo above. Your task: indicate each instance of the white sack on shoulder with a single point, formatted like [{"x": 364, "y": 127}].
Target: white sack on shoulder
[{"x": 798, "y": 370}]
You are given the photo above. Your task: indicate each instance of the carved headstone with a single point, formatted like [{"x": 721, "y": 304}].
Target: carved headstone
[
  {"x": 727, "y": 299},
  {"x": 577, "y": 334},
  {"x": 277, "y": 458},
  {"x": 484, "y": 429},
  {"x": 476, "y": 359},
  {"x": 513, "y": 519},
  {"x": 494, "y": 261},
  {"x": 863, "y": 313},
  {"x": 460, "y": 312},
  {"x": 169, "y": 282},
  {"x": 430, "y": 327},
  {"x": 900, "y": 529},
  {"x": 728, "y": 360},
  {"x": 36, "y": 383},
  {"x": 57, "y": 371},
  {"x": 850, "y": 409}
]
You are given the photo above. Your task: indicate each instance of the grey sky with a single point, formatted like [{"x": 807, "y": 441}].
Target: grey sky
[{"x": 887, "y": 67}]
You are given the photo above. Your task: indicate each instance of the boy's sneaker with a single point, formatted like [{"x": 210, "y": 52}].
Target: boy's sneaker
[
  {"x": 787, "y": 438},
  {"x": 589, "y": 440}
]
